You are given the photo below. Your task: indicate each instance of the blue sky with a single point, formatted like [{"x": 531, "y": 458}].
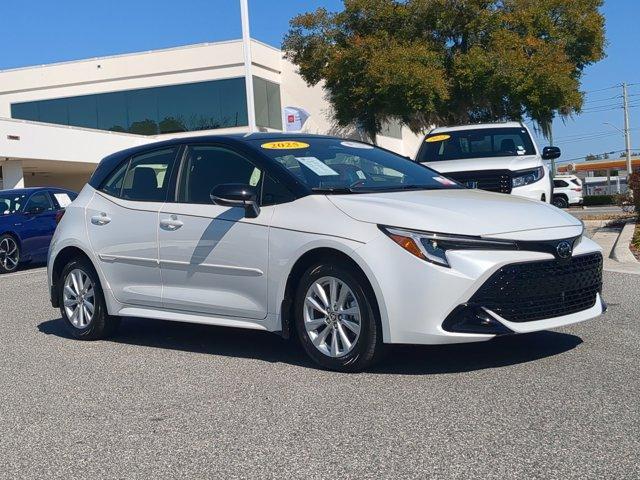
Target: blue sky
[{"x": 42, "y": 31}]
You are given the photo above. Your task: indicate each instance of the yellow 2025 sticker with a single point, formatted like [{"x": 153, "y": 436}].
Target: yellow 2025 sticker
[
  {"x": 437, "y": 138},
  {"x": 284, "y": 145}
]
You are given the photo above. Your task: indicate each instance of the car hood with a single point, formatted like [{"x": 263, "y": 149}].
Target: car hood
[
  {"x": 456, "y": 211},
  {"x": 516, "y": 162}
]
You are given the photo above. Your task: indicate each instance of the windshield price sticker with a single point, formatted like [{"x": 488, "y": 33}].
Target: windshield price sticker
[
  {"x": 362, "y": 146},
  {"x": 444, "y": 181},
  {"x": 285, "y": 145},
  {"x": 316, "y": 166},
  {"x": 437, "y": 138}
]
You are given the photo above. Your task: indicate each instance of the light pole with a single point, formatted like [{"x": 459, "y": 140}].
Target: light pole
[{"x": 248, "y": 75}]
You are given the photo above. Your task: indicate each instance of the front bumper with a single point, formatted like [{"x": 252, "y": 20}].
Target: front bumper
[
  {"x": 416, "y": 297},
  {"x": 535, "y": 191}
]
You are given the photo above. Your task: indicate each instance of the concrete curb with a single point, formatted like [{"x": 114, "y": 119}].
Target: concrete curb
[{"x": 621, "y": 252}]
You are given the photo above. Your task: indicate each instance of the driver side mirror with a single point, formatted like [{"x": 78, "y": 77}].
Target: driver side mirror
[
  {"x": 550, "y": 153},
  {"x": 237, "y": 195}
]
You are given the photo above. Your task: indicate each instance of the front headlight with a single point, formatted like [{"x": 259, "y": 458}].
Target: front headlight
[
  {"x": 433, "y": 247},
  {"x": 527, "y": 177}
]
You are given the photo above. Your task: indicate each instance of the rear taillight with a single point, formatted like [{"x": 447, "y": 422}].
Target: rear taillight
[
  {"x": 576, "y": 189},
  {"x": 59, "y": 215}
]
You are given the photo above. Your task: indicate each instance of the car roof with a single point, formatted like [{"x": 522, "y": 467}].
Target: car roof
[
  {"x": 477, "y": 126},
  {"x": 108, "y": 164},
  {"x": 26, "y": 190}
]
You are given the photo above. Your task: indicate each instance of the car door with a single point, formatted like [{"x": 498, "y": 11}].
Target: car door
[
  {"x": 122, "y": 223},
  {"x": 213, "y": 259},
  {"x": 38, "y": 225}
]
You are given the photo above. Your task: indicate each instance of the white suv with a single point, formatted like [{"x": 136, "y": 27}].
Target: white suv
[
  {"x": 344, "y": 245},
  {"x": 498, "y": 157},
  {"x": 567, "y": 190}
]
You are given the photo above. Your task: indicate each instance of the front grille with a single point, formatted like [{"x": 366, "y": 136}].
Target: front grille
[
  {"x": 524, "y": 292},
  {"x": 491, "y": 180}
]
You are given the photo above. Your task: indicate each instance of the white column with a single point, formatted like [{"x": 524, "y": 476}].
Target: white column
[
  {"x": 12, "y": 174},
  {"x": 248, "y": 70}
]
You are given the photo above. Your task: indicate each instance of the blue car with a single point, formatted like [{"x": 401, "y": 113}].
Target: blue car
[{"x": 28, "y": 218}]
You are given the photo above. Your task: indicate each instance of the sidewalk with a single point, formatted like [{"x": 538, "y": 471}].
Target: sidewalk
[{"x": 615, "y": 246}]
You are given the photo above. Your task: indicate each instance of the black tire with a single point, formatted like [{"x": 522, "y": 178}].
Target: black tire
[
  {"x": 7, "y": 258},
  {"x": 368, "y": 347},
  {"x": 102, "y": 325},
  {"x": 560, "y": 202}
]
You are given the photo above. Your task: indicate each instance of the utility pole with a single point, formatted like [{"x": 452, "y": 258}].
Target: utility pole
[
  {"x": 553, "y": 160},
  {"x": 248, "y": 75},
  {"x": 627, "y": 130}
]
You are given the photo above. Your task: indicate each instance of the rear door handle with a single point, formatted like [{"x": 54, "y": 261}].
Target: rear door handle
[
  {"x": 171, "y": 223},
  {"x": 101, "y": 219}
]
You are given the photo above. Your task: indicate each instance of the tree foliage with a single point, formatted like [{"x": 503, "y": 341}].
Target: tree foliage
[{"x": 425, "y": 62}]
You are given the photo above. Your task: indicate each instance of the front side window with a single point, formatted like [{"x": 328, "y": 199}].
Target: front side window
[
  {"x": 331, "y": 165},
  {"x": 476, "y": 143},
  {"x": 39, "y": 202},
  {"x": 11, "y": 203},
  {"x": 207, "y": 166}
]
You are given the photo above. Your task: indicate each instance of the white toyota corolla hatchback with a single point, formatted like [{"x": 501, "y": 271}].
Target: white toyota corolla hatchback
[{"x": 345, "y": 245}]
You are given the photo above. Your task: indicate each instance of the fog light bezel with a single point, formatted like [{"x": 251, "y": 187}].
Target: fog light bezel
[{"x": 473, "y": 319}]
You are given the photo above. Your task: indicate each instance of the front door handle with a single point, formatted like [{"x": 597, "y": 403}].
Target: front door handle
[
  {"x": 171, "y": 224},
  {"x": 101, "y": 219}
]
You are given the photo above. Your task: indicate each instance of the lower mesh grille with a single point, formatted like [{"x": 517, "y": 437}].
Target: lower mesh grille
[{"x": 524, "y": 292}]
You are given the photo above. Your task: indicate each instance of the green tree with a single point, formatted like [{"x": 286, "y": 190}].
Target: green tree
[{"x": 424, "y": 62}]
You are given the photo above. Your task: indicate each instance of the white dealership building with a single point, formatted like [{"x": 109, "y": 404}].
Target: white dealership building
[{"x": 58, "y": 121}]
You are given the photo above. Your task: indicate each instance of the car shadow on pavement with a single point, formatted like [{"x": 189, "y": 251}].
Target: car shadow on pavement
[{"x": 401, "y": 359}]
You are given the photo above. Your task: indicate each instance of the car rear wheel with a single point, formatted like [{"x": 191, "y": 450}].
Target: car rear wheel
[
  {"x": 336, "y": 320},
  {"x": 560, "y": 202},
  {"x": 82, "y": 302},
  {"x": 9, "y": 254}
]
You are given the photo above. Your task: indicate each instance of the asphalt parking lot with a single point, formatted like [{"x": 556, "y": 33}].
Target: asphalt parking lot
[{"x": 165, "y": 400}]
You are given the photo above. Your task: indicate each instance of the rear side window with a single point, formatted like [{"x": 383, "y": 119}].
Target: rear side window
[
  {"x": 143, "y": 178},
  {"x": 39, "y": 202},
  {"x": 560, "y": 184}
]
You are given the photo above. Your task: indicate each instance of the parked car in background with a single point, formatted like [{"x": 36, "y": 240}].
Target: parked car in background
[
  {"x": 28, "y": 218},
  {"x": 567, "y": 190},
  {"x": 498, "y": 157},
  {"x": 348, "y": 245}
]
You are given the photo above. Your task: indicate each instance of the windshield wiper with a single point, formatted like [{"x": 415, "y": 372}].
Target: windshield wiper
[{"x": 333, "y": 190}]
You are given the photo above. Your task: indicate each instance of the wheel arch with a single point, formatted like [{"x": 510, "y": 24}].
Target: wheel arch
[
  {"x": 61, "y": 259},
  {"x": 308, "y": 258},
  {"x": 13, "y": 235}
]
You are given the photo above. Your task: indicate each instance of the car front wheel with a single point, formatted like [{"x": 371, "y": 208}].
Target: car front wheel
[
  {"x": 336, "y": 320},
  {"x": 82, "y": 302}
]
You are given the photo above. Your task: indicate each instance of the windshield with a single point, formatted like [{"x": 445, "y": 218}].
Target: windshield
[
  {"x": 331, "y": 165},
  {"x": 11, "y": 203},
  {"x": 478, "y": 143}
]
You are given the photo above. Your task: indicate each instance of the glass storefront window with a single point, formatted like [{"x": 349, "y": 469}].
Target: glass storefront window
[
  {"x": 268, "y": 104},
  {"x": 148, "y": 111}
]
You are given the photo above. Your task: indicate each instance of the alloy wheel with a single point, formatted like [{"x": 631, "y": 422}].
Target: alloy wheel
[
  {"x": 332, "y": 317},
  {"x": 9, "y": 254},
  {"x": 79, "y": 298}
]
